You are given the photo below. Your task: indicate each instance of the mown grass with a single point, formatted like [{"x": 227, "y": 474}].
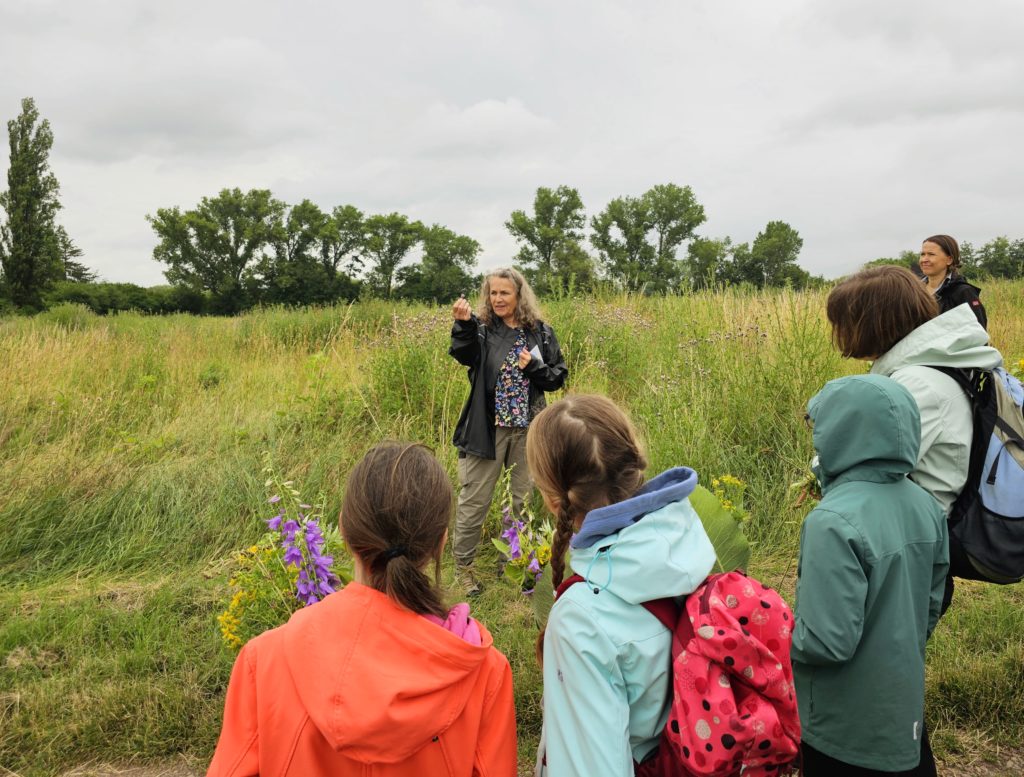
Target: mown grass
[{"x": 130, "y": 466}]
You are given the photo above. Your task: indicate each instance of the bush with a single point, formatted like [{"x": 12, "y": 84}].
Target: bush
[
  {"x": 69, "y": 316},
  {"x": 104, "y": 298}
]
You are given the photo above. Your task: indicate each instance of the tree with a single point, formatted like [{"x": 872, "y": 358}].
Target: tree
[
  {"x": 388, "y": 240},
  {"x": 674, "y": 215},
  {"x": 29, "y": 251},
  {"x": 216, "y": 245},
  {"x": 707, "y": 261},
  {"x": 771, "y": 259},
  {"x": 620, "y": 237},
  {"x": 1002, "y": 258},
  {"x": 550, "y": 250},
  {"x": 445, "y": 270},
  {"x": 69, "y": 253},
  {"x": 293, "y": 274},
  {"x": 638, "y": 238},
  {"x": 342, "y": 239}
]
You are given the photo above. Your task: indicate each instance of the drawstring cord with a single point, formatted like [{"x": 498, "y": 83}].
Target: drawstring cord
[{"x": 606, "y": 553}]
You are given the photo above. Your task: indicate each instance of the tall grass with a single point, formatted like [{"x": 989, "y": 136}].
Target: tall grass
[{"x": 130, "y": 465}]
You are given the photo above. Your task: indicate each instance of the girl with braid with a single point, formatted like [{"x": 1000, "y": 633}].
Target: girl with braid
[{"x": 606, "y": 659}]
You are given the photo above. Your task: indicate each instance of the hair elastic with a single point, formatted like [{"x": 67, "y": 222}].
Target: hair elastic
[{"x": 395, "y": 552}]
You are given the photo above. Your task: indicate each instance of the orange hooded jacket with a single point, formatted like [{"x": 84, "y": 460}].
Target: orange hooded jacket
[{"x": 357, "y": 685}]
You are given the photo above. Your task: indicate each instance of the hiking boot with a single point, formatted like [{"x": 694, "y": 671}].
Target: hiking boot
[{"x": 466, "y": 578}]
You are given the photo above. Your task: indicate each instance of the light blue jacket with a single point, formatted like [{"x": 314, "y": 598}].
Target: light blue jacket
[
  {"x": 607, "y": 661},
  {"x": 954, "y": 339}
]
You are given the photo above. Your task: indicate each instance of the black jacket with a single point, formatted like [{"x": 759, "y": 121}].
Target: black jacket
[
  {"x": 472, "y": 343},
  {"x": 956, "y": 291}
]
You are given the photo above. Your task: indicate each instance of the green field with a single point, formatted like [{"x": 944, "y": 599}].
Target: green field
[{"x": 131, "y": 455}]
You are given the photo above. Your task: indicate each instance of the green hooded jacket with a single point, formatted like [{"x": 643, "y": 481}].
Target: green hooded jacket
[{"x": 873, "y": 561}]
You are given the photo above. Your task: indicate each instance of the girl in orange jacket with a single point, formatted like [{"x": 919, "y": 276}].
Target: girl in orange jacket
[{"x": 379, "y": 678}]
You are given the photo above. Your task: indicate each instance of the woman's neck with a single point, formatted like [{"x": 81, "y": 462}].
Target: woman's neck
[{"x": 935, "y": 281}]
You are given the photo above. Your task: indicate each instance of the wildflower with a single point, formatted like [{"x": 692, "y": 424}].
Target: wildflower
[{"x": 274, "y": 499}]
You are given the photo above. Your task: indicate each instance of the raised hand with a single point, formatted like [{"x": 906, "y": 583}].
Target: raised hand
[{"x": 461, "y": 311}]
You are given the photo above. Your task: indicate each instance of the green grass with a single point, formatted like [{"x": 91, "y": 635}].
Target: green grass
[{"x": 130, "y": 467}]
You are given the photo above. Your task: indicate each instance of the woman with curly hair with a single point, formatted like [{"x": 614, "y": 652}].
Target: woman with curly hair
[{"x": 513, "y": 358}]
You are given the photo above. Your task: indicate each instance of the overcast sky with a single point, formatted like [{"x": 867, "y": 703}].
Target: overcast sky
[{"x": 865, "y": 125}]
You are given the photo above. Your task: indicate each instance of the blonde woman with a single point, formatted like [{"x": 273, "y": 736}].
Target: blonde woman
[{"x": 513, "y": 358}]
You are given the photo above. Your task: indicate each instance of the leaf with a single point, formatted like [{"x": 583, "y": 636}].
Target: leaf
[
  {"x": 724, "y": 531},
  {"x": 543, "y": 596},
  {"x": 502, "y": 547}
]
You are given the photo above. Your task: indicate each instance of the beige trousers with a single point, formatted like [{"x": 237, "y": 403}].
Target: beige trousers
[{"x": 477, "y": 479}]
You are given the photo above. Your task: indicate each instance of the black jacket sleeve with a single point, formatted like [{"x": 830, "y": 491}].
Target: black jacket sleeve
[
  {"x": 465, "y": 345},
  {"x": 549, "y": 374}
]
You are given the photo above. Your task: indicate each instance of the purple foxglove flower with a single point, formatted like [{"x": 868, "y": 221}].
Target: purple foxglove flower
[
  {"x": 514, "y": 549},
  {"x": 274, "y": 523},
  {"x": 292, "y": 556},
  {"x": 289, "y": 528},
  {"x": 534, "y": 566},
  {"x": 311, "y": 599}
]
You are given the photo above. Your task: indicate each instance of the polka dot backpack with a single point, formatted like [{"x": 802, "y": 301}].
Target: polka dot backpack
[{"x": 733, "y": 703}]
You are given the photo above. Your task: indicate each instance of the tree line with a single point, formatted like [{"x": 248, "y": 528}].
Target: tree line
[
  {"x": 244, "y": 248},
  {"x": 998, "y": 258}
]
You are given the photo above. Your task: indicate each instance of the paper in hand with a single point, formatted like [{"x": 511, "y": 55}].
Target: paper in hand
[{"x": 535, "y": 353}]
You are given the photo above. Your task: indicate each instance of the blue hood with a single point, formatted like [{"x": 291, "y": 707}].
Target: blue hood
[
  {"x": 672, "y": 485},
  {"x": 649, "y": 546}
]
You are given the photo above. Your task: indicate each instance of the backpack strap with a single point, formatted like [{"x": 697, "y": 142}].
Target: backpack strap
[
  {"x": 968, "y": 380},
  {"x": 566, "y": 585},
  {"x": 670, "y": 614}
]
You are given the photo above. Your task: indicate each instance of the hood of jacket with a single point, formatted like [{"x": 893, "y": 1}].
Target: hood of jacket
[
  {"x": 954, "y": 339},
  {"x": 364, "y": 667},
  {"x": 866, "y": 427},
  {"x": 649, "y": 546}
]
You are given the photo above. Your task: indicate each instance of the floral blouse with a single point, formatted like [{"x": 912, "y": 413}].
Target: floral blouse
[{"x": 512, "y": 391}]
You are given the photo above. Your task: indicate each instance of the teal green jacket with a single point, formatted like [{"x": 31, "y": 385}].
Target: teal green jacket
[{"x": 873, "y": 561}]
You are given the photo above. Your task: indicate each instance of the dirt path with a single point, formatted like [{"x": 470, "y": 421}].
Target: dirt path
[{"x": 1011, "y": 764}]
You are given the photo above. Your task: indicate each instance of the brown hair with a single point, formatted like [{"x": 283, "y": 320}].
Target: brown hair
[
  {"x": 583, "y": 452},
  {"x": 876, "y": 308},
  {"x": 398, "y": 503},
  {"x": 949, "y": 247},
  {"x": 527, "y": 308}
]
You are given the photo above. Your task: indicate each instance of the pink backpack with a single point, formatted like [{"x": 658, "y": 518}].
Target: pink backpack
[{"x": 733, "y": 702}]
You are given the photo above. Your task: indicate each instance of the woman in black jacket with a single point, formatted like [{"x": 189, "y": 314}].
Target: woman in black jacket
[
  {"x": 940, "y": 263},
  {"x": 513, "y": 358}
]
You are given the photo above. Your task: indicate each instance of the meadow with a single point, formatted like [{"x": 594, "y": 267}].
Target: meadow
[{"x": 131, "y": 458}]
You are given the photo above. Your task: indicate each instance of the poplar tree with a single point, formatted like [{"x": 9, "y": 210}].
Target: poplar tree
[{"x": 30, "y": 251}]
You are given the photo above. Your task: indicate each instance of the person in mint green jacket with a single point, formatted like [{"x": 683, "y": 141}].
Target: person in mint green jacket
[
  {"x": 873, "y": 560},
  {"x": 607, "y": 660}
]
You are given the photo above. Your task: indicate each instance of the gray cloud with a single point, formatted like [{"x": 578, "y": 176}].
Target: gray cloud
[{"x": 865, "y": 125}]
